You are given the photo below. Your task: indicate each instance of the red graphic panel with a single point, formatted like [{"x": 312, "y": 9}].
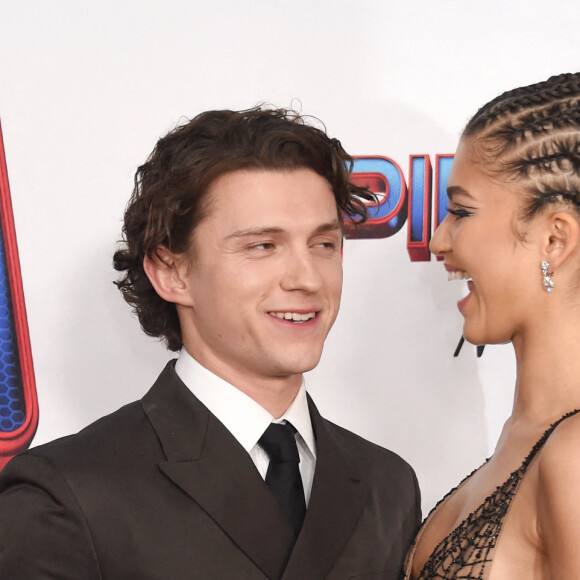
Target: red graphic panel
[{"x": 18, "y": 401}]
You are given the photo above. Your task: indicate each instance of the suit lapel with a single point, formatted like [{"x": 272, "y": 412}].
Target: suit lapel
[
  {"x": 210, "y": 466},
  {"x": 339, "y": 493}
]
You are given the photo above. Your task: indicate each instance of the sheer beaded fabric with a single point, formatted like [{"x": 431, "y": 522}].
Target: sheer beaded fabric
[{"x": 467, "y": 551}]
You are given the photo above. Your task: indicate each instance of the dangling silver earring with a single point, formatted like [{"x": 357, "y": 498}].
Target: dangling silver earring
[{"x": 548, "y": 282}]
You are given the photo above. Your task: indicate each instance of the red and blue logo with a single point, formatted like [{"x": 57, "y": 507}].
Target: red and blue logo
[
  {"x": 18, "y": 400},
  {"x": 424, "y": 199}
]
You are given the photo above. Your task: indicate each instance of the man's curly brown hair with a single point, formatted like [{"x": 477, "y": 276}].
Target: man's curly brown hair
[{"x": 168, "y": 198}]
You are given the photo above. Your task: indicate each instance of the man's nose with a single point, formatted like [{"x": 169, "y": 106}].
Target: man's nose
[{"x": 301, "y": 272}]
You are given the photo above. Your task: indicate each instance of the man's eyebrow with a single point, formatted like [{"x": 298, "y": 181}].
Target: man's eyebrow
[
  {"x": 269, "y": 230},
  {"x": 255, "y": 232},
  {"x": 328, "y": 227}
]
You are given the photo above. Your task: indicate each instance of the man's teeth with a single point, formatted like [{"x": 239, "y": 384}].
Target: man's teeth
[
  {"x": 294, "y": 316},
  {"x": 458, "y": 275}
]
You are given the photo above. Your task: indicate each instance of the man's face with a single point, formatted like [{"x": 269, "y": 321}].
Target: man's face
[{"x": 265, "y": 275}]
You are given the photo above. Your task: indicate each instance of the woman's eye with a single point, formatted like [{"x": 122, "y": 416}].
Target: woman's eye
[{"x": 459, "y": 213}]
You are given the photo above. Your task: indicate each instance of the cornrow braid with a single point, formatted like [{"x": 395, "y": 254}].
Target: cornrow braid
[{"x": 531, "y": 136}]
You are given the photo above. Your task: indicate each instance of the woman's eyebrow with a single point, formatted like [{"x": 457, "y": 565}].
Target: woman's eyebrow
[{"x": 453, "y": 190}]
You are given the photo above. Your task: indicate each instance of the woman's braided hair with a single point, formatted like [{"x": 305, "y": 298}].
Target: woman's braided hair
[{"x": 531, "y": 136}]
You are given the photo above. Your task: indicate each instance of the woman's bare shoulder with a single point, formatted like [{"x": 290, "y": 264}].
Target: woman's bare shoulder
[
  {"x": 560, "y": 452},
  {"x": 558, "y": 498}
]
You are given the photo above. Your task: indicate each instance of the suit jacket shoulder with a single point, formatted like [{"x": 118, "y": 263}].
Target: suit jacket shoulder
[
  {"x": 367, "y": 450},
  {"x": 385, "y": 467},
  {"x": 160, "y": 489}
]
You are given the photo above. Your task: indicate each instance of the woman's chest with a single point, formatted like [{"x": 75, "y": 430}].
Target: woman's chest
[
  {"x": 519, "y": 553},
  {"x": 462, "y": 533}
]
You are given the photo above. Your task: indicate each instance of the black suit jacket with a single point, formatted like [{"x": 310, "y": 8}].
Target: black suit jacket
[{"x": 161, "y": 490}]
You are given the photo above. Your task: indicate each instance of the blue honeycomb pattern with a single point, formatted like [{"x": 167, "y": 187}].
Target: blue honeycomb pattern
[{"x": 12, "y": 405}]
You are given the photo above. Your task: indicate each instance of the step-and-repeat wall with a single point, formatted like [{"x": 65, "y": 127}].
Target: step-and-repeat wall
[{"x": 86, "y": 89}]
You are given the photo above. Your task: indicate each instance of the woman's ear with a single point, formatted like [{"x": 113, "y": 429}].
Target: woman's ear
[
  {"x": 561, "y": 239},
  {"x": 166, "y": 272}
]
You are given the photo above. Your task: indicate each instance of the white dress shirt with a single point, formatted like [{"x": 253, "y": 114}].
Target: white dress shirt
[{"x": 246, "y": 420}]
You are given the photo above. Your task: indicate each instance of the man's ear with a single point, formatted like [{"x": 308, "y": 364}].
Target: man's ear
[
  {"x": 166, "y": 271},
  {"x": 561, "y": 239}
]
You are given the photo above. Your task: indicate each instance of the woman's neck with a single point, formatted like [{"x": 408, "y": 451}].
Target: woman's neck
[{"x": 548, "y": 370}]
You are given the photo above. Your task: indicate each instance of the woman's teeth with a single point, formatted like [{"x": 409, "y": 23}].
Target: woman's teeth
[{"x": 458, "y": 275}]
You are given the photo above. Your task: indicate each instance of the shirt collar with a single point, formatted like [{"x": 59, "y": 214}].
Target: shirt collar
[
  {"x": 244, "y": 418},
  {"x": 299, "y": 415}
]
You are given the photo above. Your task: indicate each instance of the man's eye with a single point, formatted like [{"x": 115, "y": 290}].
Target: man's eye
[
  {"x": 327, "y": 245},
  {"x": 262, "y": 246}
]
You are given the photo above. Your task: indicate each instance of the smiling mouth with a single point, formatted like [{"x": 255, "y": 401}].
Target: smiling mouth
[
  {"x": 293, "y": 316},
  {"x": 458, "y": 275}
]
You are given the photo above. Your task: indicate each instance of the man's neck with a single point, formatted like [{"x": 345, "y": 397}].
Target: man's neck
[{"x": 275, "y": 394}]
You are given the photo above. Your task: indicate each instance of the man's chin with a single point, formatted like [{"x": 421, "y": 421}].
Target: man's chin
[{"x": 299, "y": 367}]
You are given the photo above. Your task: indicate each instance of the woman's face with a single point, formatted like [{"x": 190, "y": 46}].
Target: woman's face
[{"x": 478, "y": 241}]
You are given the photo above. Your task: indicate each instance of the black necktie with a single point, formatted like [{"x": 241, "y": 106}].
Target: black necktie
[{"x": 283, "y": 476}]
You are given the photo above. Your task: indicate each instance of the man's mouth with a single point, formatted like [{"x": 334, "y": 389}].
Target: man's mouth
[{"x": 294, "y": 316}]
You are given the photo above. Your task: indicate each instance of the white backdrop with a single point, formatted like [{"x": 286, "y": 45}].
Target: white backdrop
[{"x": 87, "y": 88}]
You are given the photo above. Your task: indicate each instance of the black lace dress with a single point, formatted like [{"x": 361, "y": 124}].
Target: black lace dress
[{"x": 467, "y": 552}]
